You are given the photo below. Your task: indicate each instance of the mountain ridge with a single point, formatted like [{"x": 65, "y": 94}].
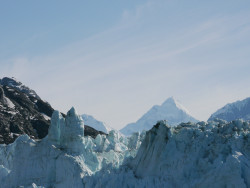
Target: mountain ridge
[{"x": 236, "y": 110}]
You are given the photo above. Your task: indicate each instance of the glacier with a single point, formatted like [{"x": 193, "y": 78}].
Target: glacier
[
  {"x": 213, "y": 154},
  {"x": 189, "y": 155},
  {"x": 64, "y": 156}
]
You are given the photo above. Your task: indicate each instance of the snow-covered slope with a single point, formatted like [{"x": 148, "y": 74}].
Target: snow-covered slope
[
  {"x": 171, "y": 110},
  {"x": 96, "y": 124},
  {"x": 232, "y": 111}
]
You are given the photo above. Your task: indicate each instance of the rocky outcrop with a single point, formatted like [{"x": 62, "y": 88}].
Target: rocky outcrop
[{"x": 22, "y": 114}]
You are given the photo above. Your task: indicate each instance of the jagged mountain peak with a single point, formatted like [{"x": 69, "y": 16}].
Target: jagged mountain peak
[
  {"x": 175, "y": 103},
  {"x": 170, "y": 100},
  {"x": 14, "y": 83}
]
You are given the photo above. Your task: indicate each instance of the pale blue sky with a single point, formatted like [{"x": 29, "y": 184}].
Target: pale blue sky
[{"x": 116, "y": 59}]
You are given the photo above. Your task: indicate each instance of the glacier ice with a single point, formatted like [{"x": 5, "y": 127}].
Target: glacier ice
[
  {"x": 189, "y": 155},
  {"x": 214, "y": 154},
  {"x": 64, "y": 157}
]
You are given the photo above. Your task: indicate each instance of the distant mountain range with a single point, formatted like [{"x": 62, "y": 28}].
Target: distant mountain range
[
  {"x": 232, "y": 111},
  {"x": 171, "y": 110},
  {"x": 22, "y": 111}
]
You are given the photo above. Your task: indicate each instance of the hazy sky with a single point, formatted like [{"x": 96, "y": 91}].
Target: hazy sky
[{"x": 116, "y": 59}]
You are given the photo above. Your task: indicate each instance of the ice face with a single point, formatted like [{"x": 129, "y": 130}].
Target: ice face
[
  {"x": 64, "y": 157},
  {"x": 189, "y": 155},
  {"x": 56, "y": 128},
  {"x": 72, "y": 137},
  {"x": 214, "y": 154},
  {"x": 67, "y": 133}
]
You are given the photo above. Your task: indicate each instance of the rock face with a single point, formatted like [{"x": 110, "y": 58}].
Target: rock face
[
  {"x": 22, "y": 111},
  {"x": 171, "y": 110},
  {"x": 14, "y": 83},
  {"x": 233, "y": 111},
  {"x": 90, "y": 131}
]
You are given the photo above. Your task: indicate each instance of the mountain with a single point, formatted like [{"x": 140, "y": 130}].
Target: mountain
[
  {"x": 15, "y": 84},
  {"x": 96, "y": 124},
  {"x": 214, "y": 154},
  {"x": 171, "y": 110},
  {"x": 232, "y": 111},
  {"x": 22, "y": 111}
]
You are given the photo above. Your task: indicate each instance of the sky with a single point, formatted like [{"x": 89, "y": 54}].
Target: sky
[{"x": 116, "y": 59}]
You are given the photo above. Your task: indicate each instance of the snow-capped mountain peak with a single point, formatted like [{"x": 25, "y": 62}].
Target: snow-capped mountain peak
[
  {"x": 232, "y": 111},
  {"x": 171, "y": 101},
  {"x": 170, "y": 110}
]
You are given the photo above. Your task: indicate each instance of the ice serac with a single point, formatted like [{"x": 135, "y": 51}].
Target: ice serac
[
  {"x": 67, "y": 133},
  {"x": 233, "y": 111},
  {"x": 171, "y": 110},
  {"x": 202, "y": 155},
  {"x": 56, "y": 128},
  {"x": 73, "y": 133}
]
